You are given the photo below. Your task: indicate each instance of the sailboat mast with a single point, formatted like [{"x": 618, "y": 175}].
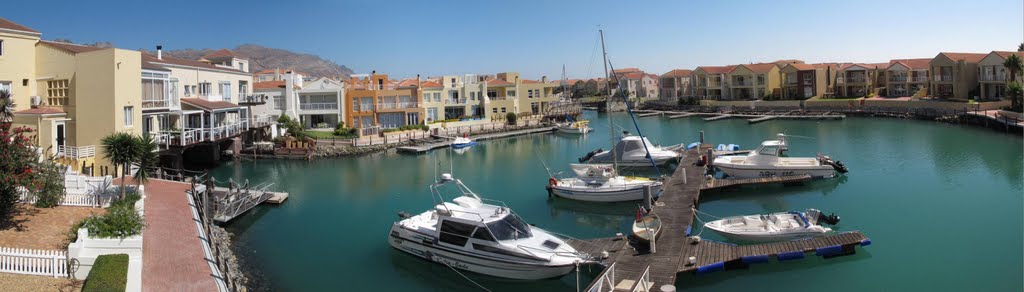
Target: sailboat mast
[{"x": 608, "y": 108}]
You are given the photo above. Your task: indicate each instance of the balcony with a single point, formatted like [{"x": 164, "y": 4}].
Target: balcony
[
  {"x": 993, "y": 77},
  {"x": 318, "y": 106},
  {"x": 455, "y": 101},
  {"x": 189, "y": 136},
  {"x": 397, "y": 105},
  {"x": 158, "y": 103},
  {"x": 919, "y": 79},
  {"x": 944, "y": 78},
  {"x": 261, "y": 120},
  {"x": 74, "y": 152},
  {"x": 898, "y": 79},
  {"x": 855, "y": 79},
  {"x": 252, "y": 99}
]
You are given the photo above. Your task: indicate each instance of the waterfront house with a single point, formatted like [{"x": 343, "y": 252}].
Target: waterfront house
[
  {"x": 275, "y": 75},
  {"x": 538, "y": 97},
  {"x": 501, "y": 94},
  {"x": 316, "y": 104},
  {"x": 462, "y": 96},
  {"x": 804, "y": 81},
  {"x": 17, "y": 62},
  {"x": 379, "y": 103},
  {"x": 637, "y": 83},
  {"x": 432, "y": 101},
  {"x": 753, "y": 81},
  {"x": 676, "y": 84},
  {"x": 993, "y": 76},
  {"x": 860, "y": 79},
  {"x": 954, "y": 75},
  {"x": 710, "y": 82},
  {"x": 907, "y": 77}
]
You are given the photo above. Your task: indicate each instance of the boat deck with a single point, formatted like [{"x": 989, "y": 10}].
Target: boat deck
[
  {"x": 717, "y": 183},
  {"x": 673, "y": 248}
]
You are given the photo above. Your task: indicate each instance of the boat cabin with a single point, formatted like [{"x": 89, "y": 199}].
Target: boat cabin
[
  {"x": 630, "y": 144},
  {"x": 468, "y": 224}
]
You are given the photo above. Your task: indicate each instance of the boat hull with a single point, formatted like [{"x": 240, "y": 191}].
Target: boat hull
[
  {"x": 750, "y": 171},
  {"x": 423, "y": 246},
  {"x": 632, "y": 162},
  {"x": 768, "y": 237},
  {"x": 619, "y": 194},
  {"x": 571, "y": 130},
  {"x": 462, "y": 145}
]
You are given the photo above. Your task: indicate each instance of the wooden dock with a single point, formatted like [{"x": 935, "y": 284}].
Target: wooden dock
[
  {"x": 715, "y": 183},
  {"x": 674, "y": 248},
  {"x": 682, "y": 115},
  {"x": 421, "y": 148},
  {"x": 761, "y": 119},
  {"x": 649, "y": 114},
  {"x": 715, "y": 118}
]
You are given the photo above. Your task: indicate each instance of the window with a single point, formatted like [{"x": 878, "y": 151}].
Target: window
[
  {"x": 5, "y": 86},
  {"x": 431, "y": 114},
  {"x": 769, "y": 150},
  {"x": 243, "y": 88},
  {"x": 483, "y": 234},
  {"x": 57, "y": 92},
  {"x": 494, "y": 110},
  {"x": 492, "y": 93},
  {"x": 472, "y": 96},
  {"x": 225, "y": 90},
  {"x": 502, "y": 110},
  {"x": 437, "y": 96},
  {"x": 509, "y": 228},
  {"x": 455, "y": 233},
  {"x": 529, "y": 93},
  {"x": 204, "y": 89},
  {"x": 129, "y": 112},
  {"x": 279, "y": 102},
  {"x": 426, "y": 97},
  {"x": 760, "y": 79},
  {"x": 355, "y": 105},
  {"x": 512, "y": 93},
  {"x": 1, "y": 47}
]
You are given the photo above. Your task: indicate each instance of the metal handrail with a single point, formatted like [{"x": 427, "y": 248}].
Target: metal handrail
[{"x": 607, "y": 277}]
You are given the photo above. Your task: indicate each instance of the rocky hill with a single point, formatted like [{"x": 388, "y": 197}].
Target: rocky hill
[{"x": 261, "y": 57}]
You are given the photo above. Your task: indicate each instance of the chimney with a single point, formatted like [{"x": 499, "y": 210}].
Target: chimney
[
  {"x": 544, "y": 79},
  {"x": 159, "y": 52}
]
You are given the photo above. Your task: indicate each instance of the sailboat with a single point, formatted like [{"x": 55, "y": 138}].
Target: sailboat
[
  {"x": 571, "y": 126},
  {"x": 602, "y": 182}
]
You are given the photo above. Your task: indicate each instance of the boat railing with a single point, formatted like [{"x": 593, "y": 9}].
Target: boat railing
[{"x": 530, "y": 250}]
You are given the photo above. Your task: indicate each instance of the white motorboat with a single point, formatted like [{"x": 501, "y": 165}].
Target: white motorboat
[
  {"x": 774, "y": 227},
  {"x": 462, "y": 142},
  {"x": 468, "y": 234},
  {"x": 574, "y": 127},
  {"x": 601, "y": 183},
  {"x": 630, "y": 151},
  {"x": 767, "y": 161}
]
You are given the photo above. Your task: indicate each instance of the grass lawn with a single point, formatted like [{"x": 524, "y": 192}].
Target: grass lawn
[
  {"x": 321, "y": 134},
  {"x": 841, "y": 98}
]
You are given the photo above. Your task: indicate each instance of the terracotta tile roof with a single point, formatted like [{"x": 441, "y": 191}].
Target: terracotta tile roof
[
  {"x": 627, "y": 70},
  {"x": 528, "y": 81},
  {"x": 802, "y": 66},
  {"x": 678, "y": 73},
  {"x": 208, "y": 105},
  {"x": 717, "y": 69},
  {"x": 1006, "y": 54},
  {"x": 788, "y": 61},
  {"x": 966, "y": 57},
  {"x": 430, "y": 84},
  {"x": 567, "y": 81},
  {"x": 498, "y": 82},
  {"x": 186, "y": 62},
  {"x": 865, "y": 65},
  {"x": 7, "y": 24},
  {"x": 223, "y": 53},
  {"x": 914, "y": 64},
  {"x": 70, "y": 48},
  {"x": 268, "y": 84},
  {"x": 40, "y": 111},
  {"x": 408, "y": 83},
  {"x": 759, "y": 67},
  {"x": 632, "y": 76},
  {"x": 282, "y": 71}
]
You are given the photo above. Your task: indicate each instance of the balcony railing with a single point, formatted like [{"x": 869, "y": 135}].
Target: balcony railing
[
  {"x": 261, "y": 120},
  {"x": 993, "y": 77},
  {"x": 944, "y": 78},
  {"x": 310, "y": 106},
  {"x": 455, "y": 101},
  {"x": 898, "y": 79},
  {"x": 74, "y": 152},
  {"x": 159, "y": 103},
  {"x": 189, "y": 136},
  {"x": 742, "y": 83},
  {"x": 397, "y": 105},
  {"x": 856, "y": 79},
  {"x": 919, "y": 79}
]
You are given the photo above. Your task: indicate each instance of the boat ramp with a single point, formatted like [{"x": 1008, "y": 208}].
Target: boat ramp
[{"x": 632, "y": 269}]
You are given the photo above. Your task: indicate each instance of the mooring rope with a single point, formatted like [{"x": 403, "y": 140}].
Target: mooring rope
[{"x": 464, "y": 276}]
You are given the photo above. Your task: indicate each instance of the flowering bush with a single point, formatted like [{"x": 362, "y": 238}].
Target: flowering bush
[{"x": 22, "y": 167}]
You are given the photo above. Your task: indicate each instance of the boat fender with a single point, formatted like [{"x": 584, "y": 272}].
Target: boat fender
[
  {"x": 829, "y": 250},
  {"x": 754, "y": 259},
  {"x": 793, "y": 255},
  {"x": 865, "y": 242},
  {"x": 688, "y": 229},
  {"x": 552, "y": 181},
  {"x": 719, "y": 266},
  {"x": 722, "y": 147},
  {"x": 733, "y": 147},
  {"x": 695, "y": 239},
  {"x": 691, "y": 260}
]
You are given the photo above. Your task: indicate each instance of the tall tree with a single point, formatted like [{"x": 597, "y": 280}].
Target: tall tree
[
  {"x": 1014, "y": 64},
  {"x": 121, "y": 149},
  {"x": 146, "y": 160},
  {"x": 1020, "y": 48}
]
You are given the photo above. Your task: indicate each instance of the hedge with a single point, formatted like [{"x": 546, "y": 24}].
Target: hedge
[{"x": 109, "y": 273}]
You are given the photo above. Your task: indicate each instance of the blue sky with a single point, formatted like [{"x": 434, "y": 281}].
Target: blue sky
[{"x": 405, "y": 38}]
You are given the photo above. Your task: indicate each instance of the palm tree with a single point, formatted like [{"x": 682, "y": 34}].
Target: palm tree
[
  {"x": 1014, "y": 64},
  {"x": 146, "y": 159},
  {"x": 6, "y": 106},
  {"x": 120, "y": 148},
  {"x": 1020, "y": 48}
]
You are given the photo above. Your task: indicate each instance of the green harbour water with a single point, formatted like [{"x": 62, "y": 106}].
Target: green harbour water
[{"x": 942, "y": 204}]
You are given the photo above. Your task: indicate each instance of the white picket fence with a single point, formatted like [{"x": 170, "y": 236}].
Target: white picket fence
[
  {"x": 81, "y": 190},
  {"x": 34, "y": 262},
  {"x": 82, "y": 200}
]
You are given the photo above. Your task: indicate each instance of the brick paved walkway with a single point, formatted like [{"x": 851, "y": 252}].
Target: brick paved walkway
[{"x": 173, "y": 258}]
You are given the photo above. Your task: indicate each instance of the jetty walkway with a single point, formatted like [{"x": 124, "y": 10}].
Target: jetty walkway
[
  {"x": 627, "y": 269},
  {"x": 420, "y": 148}
]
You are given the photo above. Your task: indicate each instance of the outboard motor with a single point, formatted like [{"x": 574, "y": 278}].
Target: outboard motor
[
  {"x": 837, "y": 165},
  {"x": 590, "y": 155},
  {"x": 404, "y": 215},
  {"x": 831, "y": 219}
]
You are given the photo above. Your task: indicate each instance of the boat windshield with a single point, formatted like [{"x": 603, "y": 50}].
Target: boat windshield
[
  {"x": 510, "y": 228},
  {"x": 769, "y": 150}
]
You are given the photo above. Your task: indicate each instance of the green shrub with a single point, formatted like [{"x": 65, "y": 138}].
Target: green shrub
[
  {"x": 340, "y": 126},
  {"x": 51, "y": 188},
  {"x": 510, "y": 118},
  {"x": 109, "y": 273},
  {"x": 120, "y": 221}
]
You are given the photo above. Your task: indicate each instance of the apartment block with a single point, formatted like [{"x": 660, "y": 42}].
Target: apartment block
[
  {"x": 710, "y": 82},
  {"x": 676, "y": 84},
  {"x": 993, "y": 76},
  {"x": 860, "y": 79},
  {"x": 378, "y": 103},
  {"x": 804, "y": 81},
  {"x": 907, "y": 78},
  {"x": 954, "y": 75},
  {"x": 17, "y": 62},
  {"x": 316, "y": 104},
  {"x": 753, "y": 81}
]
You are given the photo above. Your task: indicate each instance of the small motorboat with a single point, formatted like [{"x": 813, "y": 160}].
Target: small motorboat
[
  {"x": 780, "y": 226},
  {"x": 768, "y": 161},
  {"x": 646, "y": 227},
  {"x": 473, "y": 234},
  {"x": 630, "y": 151},
  {"x": 462, "y": 142},
  {"x": 601, "y": 183},
  {"x": 573, "y": 127}
]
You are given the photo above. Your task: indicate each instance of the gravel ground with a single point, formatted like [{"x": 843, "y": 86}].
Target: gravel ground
[
  {"x": 42, "y": 228},
  {"x": 17, "y": 283}
]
